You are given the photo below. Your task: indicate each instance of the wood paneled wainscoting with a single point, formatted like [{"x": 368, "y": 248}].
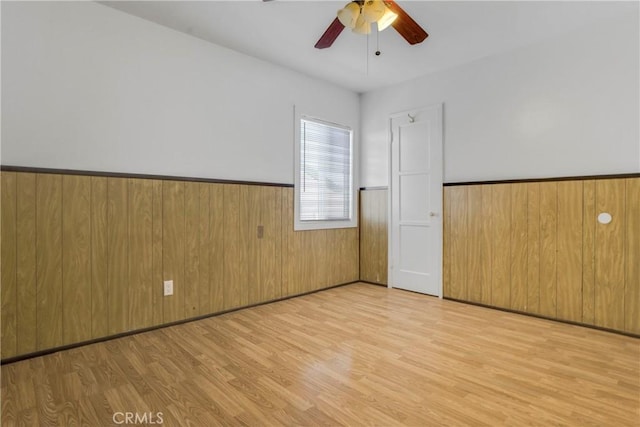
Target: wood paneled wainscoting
[
  {"x": 85, "y": 256},
  {"x": 373, "y": 235},
  {"x": 537, "y": 247}
]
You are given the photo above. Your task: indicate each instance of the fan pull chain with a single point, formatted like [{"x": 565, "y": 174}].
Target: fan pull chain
[
  {"x": 367, "y": 55},
  {"x": 377, "y": 41}
]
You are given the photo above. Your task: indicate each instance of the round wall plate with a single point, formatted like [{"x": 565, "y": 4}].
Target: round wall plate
[{"x": 604, "y": 218}]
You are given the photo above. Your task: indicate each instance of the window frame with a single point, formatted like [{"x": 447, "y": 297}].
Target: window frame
[{"x": 323, "y": 224}]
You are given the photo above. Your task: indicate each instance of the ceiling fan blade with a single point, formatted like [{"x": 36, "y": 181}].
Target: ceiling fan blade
[
  {"x": 405, "y": 25},
  {"x": 330, "y": 35}
]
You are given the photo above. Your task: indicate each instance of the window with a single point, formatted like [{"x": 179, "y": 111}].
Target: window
[{"x": 324, "y": 181}]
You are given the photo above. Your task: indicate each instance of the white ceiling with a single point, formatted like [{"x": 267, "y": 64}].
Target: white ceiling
[{"x": 284, "y": 32}]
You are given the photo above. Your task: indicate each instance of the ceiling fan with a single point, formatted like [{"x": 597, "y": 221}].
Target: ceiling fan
[{"x": 360, "y": 15}]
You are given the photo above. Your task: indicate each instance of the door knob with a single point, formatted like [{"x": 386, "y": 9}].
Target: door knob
[{"x": 433, "y": 214}]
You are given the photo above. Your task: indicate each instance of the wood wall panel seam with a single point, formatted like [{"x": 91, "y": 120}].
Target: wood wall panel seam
[
  {"x": 140, "y": 236},
  {"x": 233, "y": 276},
  {"x": 173, "y": 217},
  {"x": 474, "y": 254},
  {"x": 99, "y": 258},
  {"x": 501, "y": 265},
  {"x": 487, "y": 244},
  {"x": 519, "y": 247},
  {"x": 118, "y": 258},
  {"x": 76, "y": 262},
  {"x": 216, "y": 254},
  {"x": 459, "y": 238},
  {"x": 49, "y": 266},
  {"x": 632, "y": 279},
  {"x": 192, "y": 250},
  {"x": 533, "y": 248},
  {"x": 570, "y": 250},
  {"x": 8, "y": 266},
  {"x": 588, "y": 250},
  {"x": 548, "y": 248},
  {"x": 157, "y": 253},
  {"x": 609, "y": 256},
  {"x": 204, "y": 290},
  {"x": 373, "y": 242},
  {"x": 26, "y": 322}
]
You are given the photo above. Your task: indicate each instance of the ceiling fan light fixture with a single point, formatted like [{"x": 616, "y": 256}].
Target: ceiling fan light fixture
[
  {"x": 362, "y": 26},
  {"x": 373, "y": 10},
  {"x": 348, "y": 15},
  {"x": 392, "y": 15},
  {"x": 387, "y": 19}
]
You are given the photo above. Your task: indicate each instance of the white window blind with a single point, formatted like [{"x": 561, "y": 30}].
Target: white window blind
[{"x": 326, "y": 188}]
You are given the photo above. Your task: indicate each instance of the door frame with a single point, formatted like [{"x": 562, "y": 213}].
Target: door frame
[{"x": 440, "y": 107}]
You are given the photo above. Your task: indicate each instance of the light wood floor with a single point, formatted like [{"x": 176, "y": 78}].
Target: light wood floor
[{"x": 356, "y": 355}]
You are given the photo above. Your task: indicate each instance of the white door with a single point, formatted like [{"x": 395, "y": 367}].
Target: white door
[{"x": 415, "y": 255}]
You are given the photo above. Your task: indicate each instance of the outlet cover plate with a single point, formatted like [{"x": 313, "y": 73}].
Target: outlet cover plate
[{"x": 168, "y": 287}]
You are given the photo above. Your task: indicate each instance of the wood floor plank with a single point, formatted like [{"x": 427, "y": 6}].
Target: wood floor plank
[{"x": 353, "y": 355}]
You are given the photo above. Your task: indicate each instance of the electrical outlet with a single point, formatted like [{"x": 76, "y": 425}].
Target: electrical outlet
[{"x": 168, "y": 287}]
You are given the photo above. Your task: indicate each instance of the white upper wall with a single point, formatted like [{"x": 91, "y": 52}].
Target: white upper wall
[
  {"x": 87, "y": 87},
  {"x": 564, "y": 107}
]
